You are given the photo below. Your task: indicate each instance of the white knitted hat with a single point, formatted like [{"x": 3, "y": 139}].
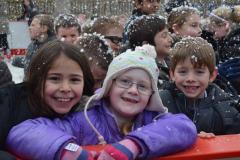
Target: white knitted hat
[{"x": 142, "y": 57}]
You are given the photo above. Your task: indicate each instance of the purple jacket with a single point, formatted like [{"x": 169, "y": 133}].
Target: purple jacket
[{"x": 41, "y": 138}]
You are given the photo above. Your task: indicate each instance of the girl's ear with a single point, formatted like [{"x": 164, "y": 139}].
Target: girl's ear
[
  {"x": 213, "y": 75},
  {"x": 172, "y": 75}
]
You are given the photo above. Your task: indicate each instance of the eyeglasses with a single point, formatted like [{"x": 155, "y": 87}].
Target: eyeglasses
[
  {"x": 115, "y": 39},
  {"x": 142, "y": 88}
]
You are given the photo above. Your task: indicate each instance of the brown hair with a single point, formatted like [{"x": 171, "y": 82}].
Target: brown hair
[
  {"x": 179, "y": 15},
  {"x": 46, "y": 20},
  {"x": 101, "y": 25},
  {"x": 95, "y": 49},
  {"x": 236, "y": 14},
  {"x": 144, "y": 29},
  {"x": 199, "y": 51},
  {"x": 139, "y": 2},
  {"x": 41, "y": 64},
  {"x": 66, "y": 21}
]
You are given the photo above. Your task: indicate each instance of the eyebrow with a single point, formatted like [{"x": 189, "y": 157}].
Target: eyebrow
[
  {"x": 128, "y": 77},
  {"x": 74, "y": 75}
]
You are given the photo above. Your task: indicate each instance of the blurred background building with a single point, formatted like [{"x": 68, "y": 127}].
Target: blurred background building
[{"x": 13, "y": 8}]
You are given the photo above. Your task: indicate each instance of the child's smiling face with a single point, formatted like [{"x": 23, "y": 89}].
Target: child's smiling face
[
  {"x": 192, "y": 81},
  {"x": 64, "y": 85},
  {"x": 128, "y": 102}
]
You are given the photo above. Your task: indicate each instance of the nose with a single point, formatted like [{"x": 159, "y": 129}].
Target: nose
[
  {"x": 190, "y": 77},
  {"x": 69, "y": 39},
  {"x": 65, "y": 87},
  {"x": 133, "y": 89}
]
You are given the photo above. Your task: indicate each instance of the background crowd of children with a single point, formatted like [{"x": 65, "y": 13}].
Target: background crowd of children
[{"x": 147, "y": 84}]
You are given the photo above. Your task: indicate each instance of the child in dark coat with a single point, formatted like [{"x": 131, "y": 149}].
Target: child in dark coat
[{"x": 192, "y": 70}]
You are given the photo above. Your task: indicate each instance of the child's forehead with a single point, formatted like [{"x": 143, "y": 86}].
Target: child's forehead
[
  {"x": 72, "y": 28},
  {"x": 191, "y": 61},
  {"x": 192, "y": 16},
  {"x": 131, "y": 72}
]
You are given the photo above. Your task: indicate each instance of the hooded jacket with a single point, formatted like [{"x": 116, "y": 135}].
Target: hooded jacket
[
  {"x": 215, "y": 113},
  {"x": 157, "y": 135}
]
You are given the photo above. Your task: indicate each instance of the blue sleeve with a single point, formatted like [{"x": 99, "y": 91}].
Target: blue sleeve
[
  {"x": 42, "y": 138},
  {"x": 170, "y": 133}
]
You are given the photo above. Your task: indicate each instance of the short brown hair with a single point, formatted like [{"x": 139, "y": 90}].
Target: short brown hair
[
  {"x": 137, "y": 2},
  {"x": 101, "y": 25},
  {"x": 41, "y": 64},
  {"x": 46, "y": 20},
  {"x": 66, "y": 21},
  {"x": 96, "y": 50},
  {"x": 179, "y": 15},
  {"x": 144, "y": 29},
  {"x": 199, "y": 51}
]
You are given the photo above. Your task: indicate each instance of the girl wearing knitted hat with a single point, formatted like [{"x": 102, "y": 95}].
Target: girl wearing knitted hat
[{"x": 127, "y": 113}]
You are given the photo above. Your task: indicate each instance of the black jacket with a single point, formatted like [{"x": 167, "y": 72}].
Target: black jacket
[
  {"x": 216, "y": 113},
  {"x": 229, "y": 47},
  {"x": 5, "y": 75},
  {"x": 14, "y": 108},
  {"x": 163, "y": 78}
]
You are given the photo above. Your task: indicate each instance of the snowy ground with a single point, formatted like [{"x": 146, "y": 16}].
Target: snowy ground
[{"x": 17, "y": 73}]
